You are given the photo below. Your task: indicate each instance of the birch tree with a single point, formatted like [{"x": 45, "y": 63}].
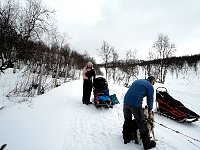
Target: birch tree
[{"x": 162, "y": 49}]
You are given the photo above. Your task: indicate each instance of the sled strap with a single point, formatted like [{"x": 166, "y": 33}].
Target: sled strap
[
  {"x": 175, "y": 111},
  {"x": 178, "y": 132}
]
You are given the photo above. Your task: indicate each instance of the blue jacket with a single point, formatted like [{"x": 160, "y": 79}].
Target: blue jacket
[{"x": 137, "y": 91}]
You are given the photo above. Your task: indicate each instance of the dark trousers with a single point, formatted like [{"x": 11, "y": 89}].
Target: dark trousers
[
  {"x": 142, "y": 125},
  {"x": 139, "y": 117},
  {"x": 87, "y": 89}
]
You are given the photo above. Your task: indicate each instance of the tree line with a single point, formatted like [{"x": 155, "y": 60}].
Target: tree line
[
  {"x": 28, "y": 34},
  {"x": 29, "y": 37},
  {"x": 160, "y": 61}
]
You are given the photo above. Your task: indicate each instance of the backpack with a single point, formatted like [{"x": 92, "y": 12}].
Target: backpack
[{"x": 114, "y": 99}]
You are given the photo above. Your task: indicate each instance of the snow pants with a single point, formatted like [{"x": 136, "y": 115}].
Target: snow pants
[
  {"x": 87, "y": 89},
  {"x": 138, "y": 115},
  {"x": 142, "y": 126}
]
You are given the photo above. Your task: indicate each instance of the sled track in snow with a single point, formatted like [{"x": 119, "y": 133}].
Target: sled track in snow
[{"x": 99, "y": 125}]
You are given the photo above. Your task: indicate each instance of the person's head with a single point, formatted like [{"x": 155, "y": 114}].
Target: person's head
[
  {"x": 152, "y": 79},
  {"x": 89, "y": 64}
]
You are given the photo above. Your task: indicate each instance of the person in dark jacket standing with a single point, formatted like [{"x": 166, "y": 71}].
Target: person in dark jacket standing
[
  {"x": 133, "y": 106},
  {"x": 88, "y": 77}
]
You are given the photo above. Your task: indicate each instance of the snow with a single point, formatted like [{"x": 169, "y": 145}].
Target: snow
[{"x": 57, "y": 120}]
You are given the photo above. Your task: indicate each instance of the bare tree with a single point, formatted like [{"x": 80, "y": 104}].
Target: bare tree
[
  {"x": 162, "y": 49},
  {"x": 106, "y": 54},
  {"x": 114, "y": 63},
  {"x": 8, "y": 34},
  {"x": 131, "y": 69},
  {"x": 34, "y": 19}
]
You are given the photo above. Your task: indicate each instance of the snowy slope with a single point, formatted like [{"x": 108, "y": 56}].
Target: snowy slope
[{"x": 58, "y": 120}]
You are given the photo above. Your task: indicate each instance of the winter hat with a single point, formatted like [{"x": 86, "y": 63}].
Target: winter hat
[{"x": 151, "y": 78}]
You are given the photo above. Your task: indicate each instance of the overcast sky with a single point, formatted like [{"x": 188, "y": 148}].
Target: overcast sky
[{"x": 129, "y": 24}]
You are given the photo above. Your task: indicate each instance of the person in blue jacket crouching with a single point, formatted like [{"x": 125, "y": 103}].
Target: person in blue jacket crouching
[{"x": 133, "y": 106}]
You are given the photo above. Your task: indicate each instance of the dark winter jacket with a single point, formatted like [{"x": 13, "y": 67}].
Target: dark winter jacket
[
  {"x": 88, "y": 73},
  {"x": 137, "y": 91}
]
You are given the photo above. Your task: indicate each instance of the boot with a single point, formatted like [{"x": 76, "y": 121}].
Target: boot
[
  {"x": 135, "y": 136},
  {"x": 127, "y": 137},
  {"x": 152, "y": 144},
  {"x": 147, "y": 144}
]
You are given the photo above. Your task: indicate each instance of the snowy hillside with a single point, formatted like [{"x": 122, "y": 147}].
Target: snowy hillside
[{"x": 58, "y": 120}]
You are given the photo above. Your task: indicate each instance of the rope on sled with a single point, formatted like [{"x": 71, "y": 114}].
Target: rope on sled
[
  {"x": 178, "y": 132},
  {"x": 193, "y": 143}
]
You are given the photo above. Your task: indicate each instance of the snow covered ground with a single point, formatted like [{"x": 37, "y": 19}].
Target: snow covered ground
[{"x": 57, "y": 120}]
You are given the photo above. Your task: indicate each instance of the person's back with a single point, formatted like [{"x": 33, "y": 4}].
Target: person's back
[{"x": 137, "y": 91}]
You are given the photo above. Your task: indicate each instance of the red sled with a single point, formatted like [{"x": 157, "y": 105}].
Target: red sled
[{"x": 168, "y": 106}]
